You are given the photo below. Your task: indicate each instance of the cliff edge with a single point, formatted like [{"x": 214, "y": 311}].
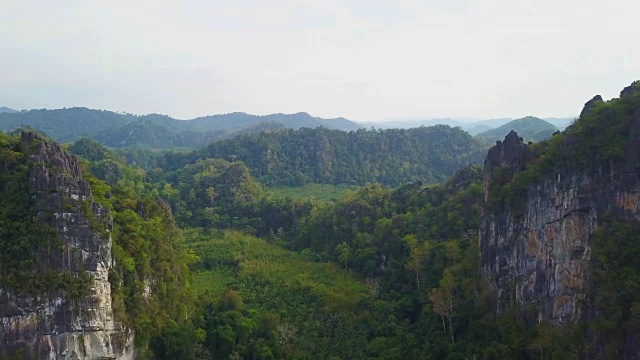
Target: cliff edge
[
  {"x": 543, "y": 205},
  {"x": 59, "y": 325}
]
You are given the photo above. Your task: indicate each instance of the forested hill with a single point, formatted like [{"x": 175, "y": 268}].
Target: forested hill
[
  {"x": 154, "y": 130},
  {"x": 529, "y": 128},
  {"x": 390, "y": 157},
  {"x": 146, "y": 133}
]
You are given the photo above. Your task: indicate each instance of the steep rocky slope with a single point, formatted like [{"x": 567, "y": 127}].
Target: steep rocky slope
[
  {"x": 543, "y": 205},
  {"x": 540, "y": 257},
  {"x": 58, "y": 325}
]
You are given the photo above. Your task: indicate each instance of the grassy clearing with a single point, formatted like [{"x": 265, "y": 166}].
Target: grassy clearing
[
  {"x": 320, "y": 192},
  {"x": 235, "y": 260}
]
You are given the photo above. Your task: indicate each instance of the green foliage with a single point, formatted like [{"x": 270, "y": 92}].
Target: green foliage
[
  {"x": 615, "y": 289},
  {"x": 214, "y": 193},
  {"x": 150, "y": 281},
  {"x": 90, "y": 150},
  {"x": 175, "y": 342},
  {"x": 273, "y": 302},
  {"x": 319, "y": 192},
  {"x": 151, "y": 275}
]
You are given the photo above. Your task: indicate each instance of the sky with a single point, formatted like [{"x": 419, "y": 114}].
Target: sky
[{"x": 363, "y": 60}]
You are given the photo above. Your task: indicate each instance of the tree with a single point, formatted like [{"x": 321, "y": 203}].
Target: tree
[
  {"x": 211, "y": 194},
  {"x": 344, "y": 253},
  {"x": 286, "y": 332},
  {"x": 418, "y": 257},
  {"x": 444, "y": 301}
]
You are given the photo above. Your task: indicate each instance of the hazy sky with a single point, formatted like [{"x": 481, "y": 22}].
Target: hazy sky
[{"x": 361, "y": 59}]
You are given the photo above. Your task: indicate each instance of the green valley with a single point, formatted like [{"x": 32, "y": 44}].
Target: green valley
[{"x": 319, "y": 243}]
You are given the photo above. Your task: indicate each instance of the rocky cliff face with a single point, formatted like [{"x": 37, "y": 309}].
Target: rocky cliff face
[
  {"x": 537, "y": 258},
  {"x": 56, "y": 327}
]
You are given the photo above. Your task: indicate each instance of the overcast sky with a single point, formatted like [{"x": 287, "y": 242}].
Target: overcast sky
[{"x": 360, "y": 59}]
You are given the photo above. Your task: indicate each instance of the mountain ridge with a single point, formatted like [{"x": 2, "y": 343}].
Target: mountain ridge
[
  {"x": 67, "y": 125},
  {"x": 4, "y": 109}
]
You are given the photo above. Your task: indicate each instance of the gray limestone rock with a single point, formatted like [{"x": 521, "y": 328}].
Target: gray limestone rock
[
  {"x": 631, "y": 90},
  {"x": 55, "y": 327},
  {"x": 537, "y": 259},
  {"x": 589, "y": 105}
]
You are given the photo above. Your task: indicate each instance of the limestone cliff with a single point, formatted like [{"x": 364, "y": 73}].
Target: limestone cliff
[
  {"x": 536, "y": 254},
  {"x": 539, "y": 258},
  {"x": 53, "y": 326}
]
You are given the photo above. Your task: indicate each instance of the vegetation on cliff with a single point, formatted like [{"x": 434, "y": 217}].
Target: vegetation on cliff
[
  {"x": 597, "y": 155},
  {"x": 26, "y": 242},
  {"x": 597, "y": 139},
  {"x": 150, "y": 280}
]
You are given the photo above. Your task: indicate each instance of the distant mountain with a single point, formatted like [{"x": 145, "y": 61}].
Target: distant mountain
[
  {"x": 7, "y": 110},
  {"x": 293, "y": 121},
  {"x": 560, "y": 123},
  {"x": 146, "y": 133},
  {"x": 65, "y": 125},
  {"x": 529, "y": 128},
  {"x": 410, "y": 123},
  {"x": 477, "y": 129},
  {"x": 463, "y": 123},
  {"x": 156, "y": 130},
  {"x": 491, "y": 123},
  {"x": 470, "y": 125}
]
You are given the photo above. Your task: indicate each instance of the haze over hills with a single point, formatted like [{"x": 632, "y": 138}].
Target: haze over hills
[
  {"x": 124, "y": 130},
  {"x": 472, "y": 125},
  {"x": 4, "y": 109}
]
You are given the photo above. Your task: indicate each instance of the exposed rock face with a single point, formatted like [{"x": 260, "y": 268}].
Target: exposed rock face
[
  {"x": 631, "y": 90},
  {"x": 56, "y": 328},
  {"x": 541, "y": 257},
  {"x": 589, "y": 105},
  {"x": 510, "y": 152},
  {"x": 538, "y": 259}
]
